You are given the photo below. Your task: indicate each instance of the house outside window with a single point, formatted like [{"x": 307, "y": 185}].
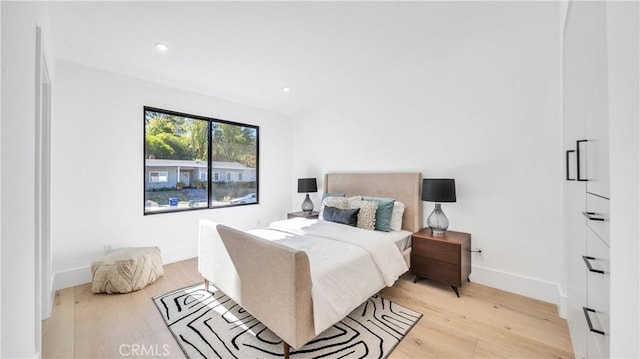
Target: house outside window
[{"x": 181, "y": 149}]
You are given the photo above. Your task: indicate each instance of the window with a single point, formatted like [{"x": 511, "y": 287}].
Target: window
[
  {"x": 181, "y": 150},
  {"x": 157, "y": 177},
  {"x": 234, "y": 176}
]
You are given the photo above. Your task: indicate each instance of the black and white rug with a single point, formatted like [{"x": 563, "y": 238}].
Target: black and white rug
[{"x": 211, "y": 325}]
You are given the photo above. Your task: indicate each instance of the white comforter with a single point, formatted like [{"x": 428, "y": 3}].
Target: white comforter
[{"x": 348, "y": 264}]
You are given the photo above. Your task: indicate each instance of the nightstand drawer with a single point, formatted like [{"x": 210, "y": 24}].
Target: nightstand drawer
[
  {"x": 446, "y": 273},
  {"x": 440, "y": 251}
]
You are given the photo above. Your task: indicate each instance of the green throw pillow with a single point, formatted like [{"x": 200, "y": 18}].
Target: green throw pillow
[
  {"x": 383, "y": 213},
  {"x": 327, "y": 194}
]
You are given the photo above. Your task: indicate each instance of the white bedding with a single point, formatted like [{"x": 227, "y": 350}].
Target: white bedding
[
  {"x": 402, "y": 239},
  {"x": 348, "y": 264},
  {"x": 387, "y": 257}
]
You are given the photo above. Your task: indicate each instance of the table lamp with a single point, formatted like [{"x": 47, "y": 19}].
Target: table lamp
[
  {"x": 438, "y": 190},
  {"x": 307, "y": 185}
]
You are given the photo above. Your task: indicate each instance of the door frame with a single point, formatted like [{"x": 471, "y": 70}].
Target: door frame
[{"x": 42, "y": 186}]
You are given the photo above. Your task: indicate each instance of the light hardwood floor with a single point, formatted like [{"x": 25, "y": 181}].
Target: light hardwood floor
[{"x": 483, "y": 323}]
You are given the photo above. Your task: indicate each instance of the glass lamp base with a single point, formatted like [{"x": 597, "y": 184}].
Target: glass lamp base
[
  {"x": 437, "y": 221},
  {"x": 307, "y": 205}
]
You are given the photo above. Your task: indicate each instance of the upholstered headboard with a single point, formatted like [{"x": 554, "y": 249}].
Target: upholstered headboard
[{"x": 404, "y": 187}]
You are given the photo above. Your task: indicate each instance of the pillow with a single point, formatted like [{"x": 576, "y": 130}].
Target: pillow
[
  {"x": 383, "y": 214},
  {"x": 367, "y": 214},
  {"x": 352, "y": 201},
  {"x": 396, "y": 216},
  {"x": 333, "y": 201},
  {"x": 343, "y": 216},
  {"x": 327, "y": 194}
]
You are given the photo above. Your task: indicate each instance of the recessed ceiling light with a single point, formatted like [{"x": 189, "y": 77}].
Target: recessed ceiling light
[
  {"x": 162, "y": 47},
  {"x": 286, "y": 89}
]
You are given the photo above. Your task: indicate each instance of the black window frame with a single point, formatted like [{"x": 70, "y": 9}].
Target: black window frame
[{"x": 209, "y": 181}]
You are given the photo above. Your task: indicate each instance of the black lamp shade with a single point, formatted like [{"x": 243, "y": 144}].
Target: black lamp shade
[
  {"x": 439, "y": 190},
  {"x": 307, "y": 185}
]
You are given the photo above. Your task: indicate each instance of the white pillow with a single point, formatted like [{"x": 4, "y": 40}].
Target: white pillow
[
  {"x": 396, "y": 216},
  {"x": 353, "y": 201}
]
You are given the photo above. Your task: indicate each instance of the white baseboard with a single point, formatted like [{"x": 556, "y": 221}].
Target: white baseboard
[
  {"x": 71, "y": 277},
  {"x": 562, "y": 305},
  {"x": 177, "y": 254},
  {"x": 515, "y": 283},
  {"x": 81, "y": 275}
]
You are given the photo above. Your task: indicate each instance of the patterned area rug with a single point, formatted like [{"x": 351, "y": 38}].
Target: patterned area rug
[{"x": 211, "y": 325}]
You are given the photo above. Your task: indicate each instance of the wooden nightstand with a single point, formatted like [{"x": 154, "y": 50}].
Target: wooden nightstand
[
  {"x": 312, "y": 215},
  {"x": 446, "y": 259}
]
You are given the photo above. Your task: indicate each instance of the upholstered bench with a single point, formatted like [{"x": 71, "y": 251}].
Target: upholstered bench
[{"x": 126, "y": 270}]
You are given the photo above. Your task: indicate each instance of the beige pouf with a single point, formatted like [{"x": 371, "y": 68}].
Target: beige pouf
[{"x": 126, "y": 270}]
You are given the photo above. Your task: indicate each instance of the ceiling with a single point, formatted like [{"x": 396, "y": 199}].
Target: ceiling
[{"x": 246, "y": 52}]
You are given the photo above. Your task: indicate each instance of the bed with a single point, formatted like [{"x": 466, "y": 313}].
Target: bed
[{"x": 284, "y": 274}]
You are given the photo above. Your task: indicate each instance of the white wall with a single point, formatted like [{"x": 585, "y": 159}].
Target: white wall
[
  {"x": 18, "y": 293},
  {"x": 486, "y": 111},
  {"x": 623, "y": 21},
  {"x": 97, "y": 175},
  {"x": 0, "y": 185}
]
